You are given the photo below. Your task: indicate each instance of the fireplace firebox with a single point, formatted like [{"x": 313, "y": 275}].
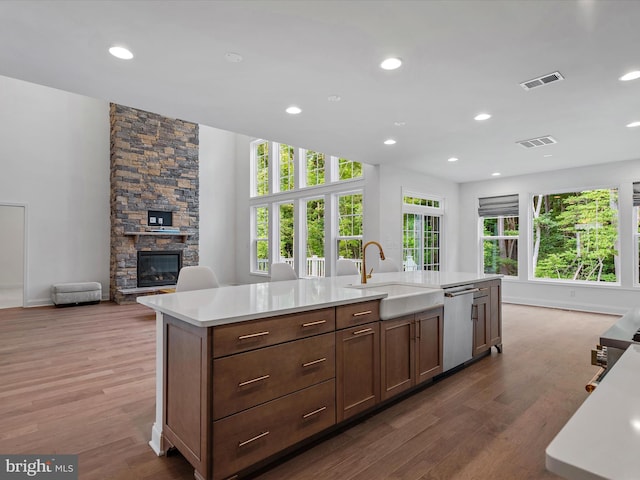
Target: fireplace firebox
[{"x": 156, "y": 268}]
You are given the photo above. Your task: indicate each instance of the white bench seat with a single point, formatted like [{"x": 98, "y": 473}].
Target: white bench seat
[{"x": 76, "y": 293}]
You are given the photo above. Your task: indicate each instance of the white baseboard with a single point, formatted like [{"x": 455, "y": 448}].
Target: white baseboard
[
  {"x": 156, "y": 441},
  {"x": 41, "y": 302},
  {"x": 581, "y": 307}
]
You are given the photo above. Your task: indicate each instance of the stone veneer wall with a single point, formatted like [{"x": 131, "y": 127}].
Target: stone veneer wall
[{"x": 154, "y": 166}]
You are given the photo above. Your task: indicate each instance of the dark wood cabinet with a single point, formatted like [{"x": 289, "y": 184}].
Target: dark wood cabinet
[
  {"x": 357, "y": 369},
  {"x": 486, "y": 315},
  {"x": 429, "y": 327},
  {"x": 357, "y": 314},
  {"x": 250, "y": 436},
  {"x": 397, "y": 355},
  {"x": 411, "y": 351},
  {"x": 187, "y": 393},
  {"x": 238, "y": 394},
  {"x": 480, "y": 317},
  {"x": 495, "y": 305},
  {"x": 247, "y": 379}
]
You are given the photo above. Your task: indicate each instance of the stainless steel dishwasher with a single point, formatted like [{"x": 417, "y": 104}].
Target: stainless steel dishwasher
[{"x": 458, "y": 326}]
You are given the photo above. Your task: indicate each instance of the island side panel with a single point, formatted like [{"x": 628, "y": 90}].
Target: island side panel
[{"x": 187, "y": 393}]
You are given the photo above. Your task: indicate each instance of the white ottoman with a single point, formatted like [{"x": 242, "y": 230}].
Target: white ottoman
[{"x": 76, "y": 293}]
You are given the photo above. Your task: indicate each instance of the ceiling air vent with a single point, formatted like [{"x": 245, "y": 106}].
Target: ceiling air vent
[
  {"x": 541, "y": 81},
  {"x": 537, "y": 142}
]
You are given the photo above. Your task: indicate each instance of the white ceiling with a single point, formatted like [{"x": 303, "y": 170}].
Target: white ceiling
[{"x": 460, "y": 58}]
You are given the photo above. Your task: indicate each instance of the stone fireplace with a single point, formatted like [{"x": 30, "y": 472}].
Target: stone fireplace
[{"x": 154, "y": 168}]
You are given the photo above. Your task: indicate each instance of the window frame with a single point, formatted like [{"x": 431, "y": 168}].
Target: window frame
[
  {"x": 254, "y": 266},
  {"x": 531, "y": 239},
  {"x": 337, "y": 238},
  {"x": 425, "y": 211},
  {"x": 299, "y": 196},
  {"x": 292, "y": 176},
  {"x": 484, "y": 237},
  {"x": 254, "y": 168}
]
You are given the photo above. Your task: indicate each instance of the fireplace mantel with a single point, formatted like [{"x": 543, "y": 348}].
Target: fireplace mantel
[{"x": 135, "y": 235}]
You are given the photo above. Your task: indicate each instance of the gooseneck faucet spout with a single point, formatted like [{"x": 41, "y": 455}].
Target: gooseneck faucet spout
[{"x": 364, "y": 275}]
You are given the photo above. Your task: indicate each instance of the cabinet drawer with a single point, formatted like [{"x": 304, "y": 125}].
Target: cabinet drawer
[
  {"x": 244, "y": 336},
  {"x": 357, "y": 314},
  {"x": 483, "y": 289},
  {"x": 255, "y": 434},
  {"x": 247, "y": 379}
]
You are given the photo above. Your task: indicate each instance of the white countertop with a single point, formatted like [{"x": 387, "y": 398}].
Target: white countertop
[
  {"x": 602, "y": 439},
  {"x": 219, "y": 306},
  {"x": 429, "y": 278}
]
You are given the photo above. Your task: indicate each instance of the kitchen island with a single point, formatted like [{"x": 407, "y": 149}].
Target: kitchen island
[
  {"x": 602, "y": 439},
  {"x": 245, "y": 373}
]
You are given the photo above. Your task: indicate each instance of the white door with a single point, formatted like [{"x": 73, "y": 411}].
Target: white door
[{"x": 12, "y": 223}]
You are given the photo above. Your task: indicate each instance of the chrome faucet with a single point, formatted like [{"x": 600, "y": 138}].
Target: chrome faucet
[{"x": 364, "y": 275}]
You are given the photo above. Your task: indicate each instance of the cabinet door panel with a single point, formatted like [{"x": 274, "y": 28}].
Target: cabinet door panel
[
  {"x": 495, "y": 314},
  {"x": 429, "y": 327},
  {"x": 357, "y": 369},
  {"x": 480, "y": 316},
  {"x": 397, "y": 340},
  {"x": 187, "y": 370}
]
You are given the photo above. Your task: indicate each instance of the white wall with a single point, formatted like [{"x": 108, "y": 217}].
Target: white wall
[
  {"x": 392, "y": 180},
  {"x": 217, "y": 160},
  {"x": 54, "y": 158},
  {"x": 599, "y": 298},
  {"x": 12, "y": 246},
  {"x": 54, "y": 154}
]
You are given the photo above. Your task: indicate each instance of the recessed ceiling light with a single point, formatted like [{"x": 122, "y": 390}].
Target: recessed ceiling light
[
  {"x": 389, "y": 141},
  {"x": 399, "y": 124},
  {"x": 334, "y": 98},
  {"x": 452, "y": 159},
  {"x": 233, "y": 57},
  {"x": 633, "y": 124},
  {"x": 121, "y": 52},
  {"x": 496, "y": 174},
  {"x": 391, "y": 63},
  {"x": 293, "y": 110},
  {"x": 482, "y": 116},
  {"x": 547, "y": 155},
  {"x": 630, "y": 76}
]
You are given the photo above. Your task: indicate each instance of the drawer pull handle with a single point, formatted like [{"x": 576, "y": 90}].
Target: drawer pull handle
[
  {"x": 252, "y": 335},
  {"x": 320, "y": 360},
  {"x": 359, "y": 314},
  {"x": 249, "y": 382},
  {"x": 312, "y": 324},
  {"x": 315, "y": 412},
  {"x": 366, "y": 330},
  {"x": 257, "y": 437}
]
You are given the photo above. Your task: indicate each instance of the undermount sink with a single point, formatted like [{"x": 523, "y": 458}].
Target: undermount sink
[{"x": 403, "y": 298}]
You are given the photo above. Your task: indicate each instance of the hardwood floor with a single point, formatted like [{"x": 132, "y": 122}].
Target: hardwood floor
[{"x": 81, "y": 380}]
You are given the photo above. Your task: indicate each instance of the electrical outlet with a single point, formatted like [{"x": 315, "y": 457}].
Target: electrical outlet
[{"x": 572, "y": 293}]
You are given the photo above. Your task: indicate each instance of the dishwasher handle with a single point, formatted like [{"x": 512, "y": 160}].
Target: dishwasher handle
[{"x": 461, "y": 292}]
